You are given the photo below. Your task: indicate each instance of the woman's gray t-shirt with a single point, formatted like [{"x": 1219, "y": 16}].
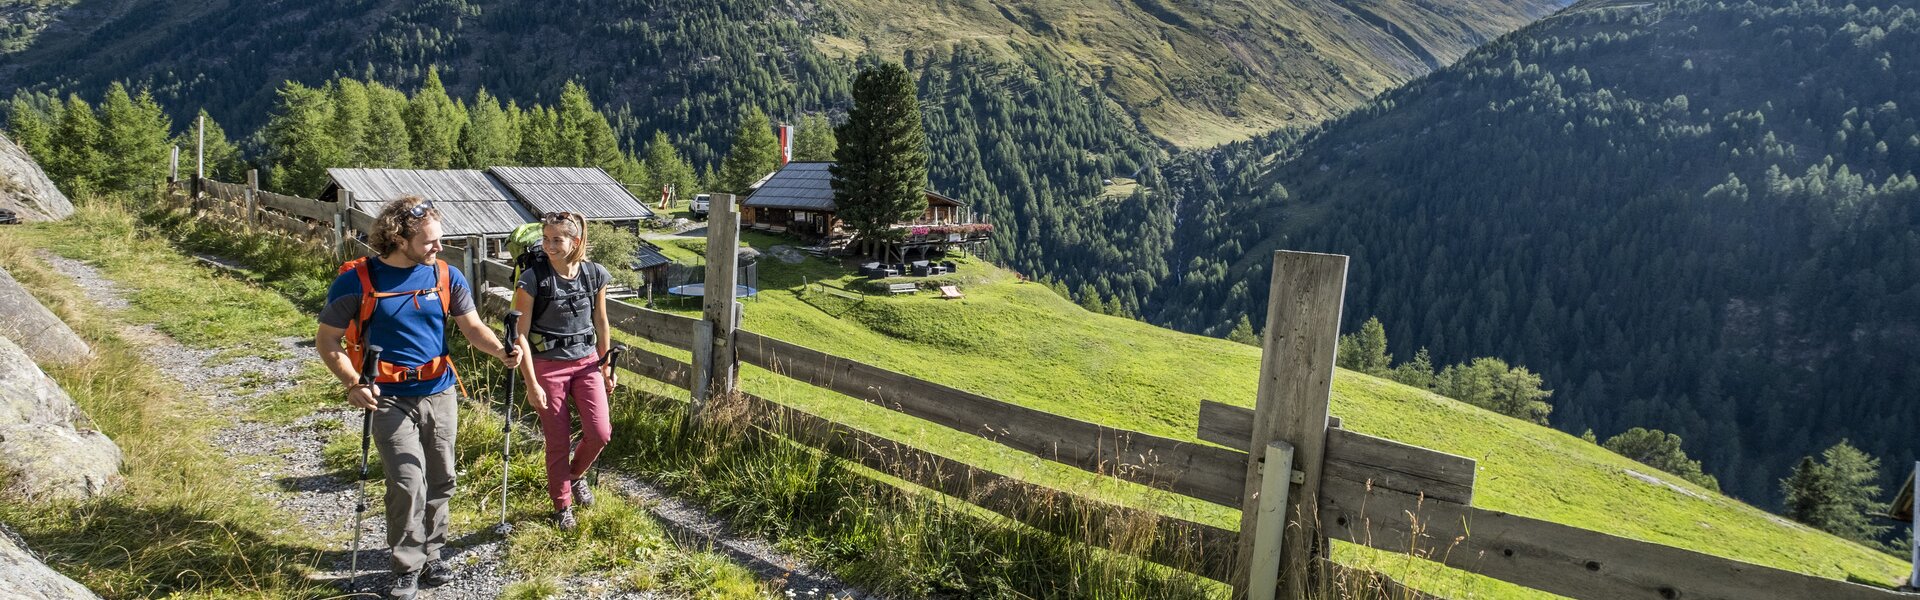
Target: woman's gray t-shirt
[{"x": 569, "y": 310}]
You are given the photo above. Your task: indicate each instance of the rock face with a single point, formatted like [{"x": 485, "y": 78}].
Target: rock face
[
  {"x": 25, "y": 189},
  {"x": 42, "y": 453},
  {"x": 46, "y": 338},
  {"x": 24, "y": 577}
]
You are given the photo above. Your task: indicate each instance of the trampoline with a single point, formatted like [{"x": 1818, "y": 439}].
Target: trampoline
[{"x": 697, "y": 290}]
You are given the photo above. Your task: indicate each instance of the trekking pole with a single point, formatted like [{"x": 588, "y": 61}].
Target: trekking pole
[
  {"x": 369, "y": 367},
  {"x": 506, "y": 444}
]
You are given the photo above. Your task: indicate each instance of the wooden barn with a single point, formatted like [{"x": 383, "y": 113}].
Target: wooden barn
[{"x": 798, "y": 200}]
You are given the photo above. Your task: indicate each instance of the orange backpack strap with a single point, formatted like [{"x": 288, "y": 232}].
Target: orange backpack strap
[
  {"x": 369, "y": 299},
  {"x": 443, "y": 283}
]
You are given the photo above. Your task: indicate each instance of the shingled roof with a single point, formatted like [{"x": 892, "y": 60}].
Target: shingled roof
[
  {"x": 588, "y": 191},
  {"x": 470, "y": 202}
]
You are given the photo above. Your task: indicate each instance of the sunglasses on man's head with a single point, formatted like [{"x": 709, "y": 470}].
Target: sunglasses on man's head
[{"x": 420, "y": 210}]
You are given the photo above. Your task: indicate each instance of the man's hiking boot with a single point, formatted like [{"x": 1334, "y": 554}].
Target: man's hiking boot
[
  {"x": 435, "y": 574},
  {"x": 582, "y": 495},
  {"x": 405, "y": 586},
  {"x": 564, "y": 519}
]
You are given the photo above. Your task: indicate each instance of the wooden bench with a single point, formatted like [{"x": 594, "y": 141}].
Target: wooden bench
[{"x": 902, "y": 288}]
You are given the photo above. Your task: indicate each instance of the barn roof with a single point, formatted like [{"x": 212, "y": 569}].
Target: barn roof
[
  {"x": 809, "y": 186},
  {"x": 470, "y": 202},
  {"x": 588, "y": 191}
]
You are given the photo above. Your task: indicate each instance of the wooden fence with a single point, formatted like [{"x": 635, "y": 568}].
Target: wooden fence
[{"x": 1333, "y": 483}]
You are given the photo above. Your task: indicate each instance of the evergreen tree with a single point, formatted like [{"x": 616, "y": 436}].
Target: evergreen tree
[
  {"x": 1588, "y": 437},
  {"x": 77, "y": 165},
  {"x": 31, "y": 130},
  {"x": 390, "y": 145},
  {"x": 586, "y": 137},
  {"x": 813, "y": 140},
  {"x": 1366, "y": 351},
  {"x": 1417, "y": 372},
  {"x": 1837, "y": 494},
  {"x": 352, "y": 113},
  {"x": 224, "y": 162},
  {"x": 1090, "y": 299},
  {"x": 1491, "y": 384},
  {"x": 490, "y": 137},
  {"x": 299, "y": 140},
  {"x": 1243, "y": 332},
  {"x": 433, "y": 124},
  {"x": 1660, "y": 450},
  {"x": 134, "y": 132},
  {"x": 755, "y": 153},
  {"x": 880, "y": 170},
  {"x": 666, "y": 168}
]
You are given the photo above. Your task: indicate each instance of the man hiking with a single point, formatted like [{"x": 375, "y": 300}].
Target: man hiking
[
  {"x": 566, "y": 295},
  {"x": 401, "y": 301}
]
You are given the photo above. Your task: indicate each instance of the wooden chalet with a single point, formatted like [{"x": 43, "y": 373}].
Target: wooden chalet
[
  {"x": 588, "y": 191},
  {"x": 798, "y": 200}
]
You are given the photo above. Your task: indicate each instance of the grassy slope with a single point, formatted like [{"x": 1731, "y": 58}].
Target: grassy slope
[
  {"x": 1021, "y": 343},
  {"x": 1201, "y": 74}
]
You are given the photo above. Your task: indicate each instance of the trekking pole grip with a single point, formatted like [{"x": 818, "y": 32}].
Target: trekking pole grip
[{"x": 513, "y": 330}]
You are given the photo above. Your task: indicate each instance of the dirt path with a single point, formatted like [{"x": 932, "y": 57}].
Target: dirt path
[{"x": 286, "y": 463}]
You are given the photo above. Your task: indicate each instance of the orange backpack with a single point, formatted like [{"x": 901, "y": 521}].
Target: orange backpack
[{"x": 356, "y": 336}]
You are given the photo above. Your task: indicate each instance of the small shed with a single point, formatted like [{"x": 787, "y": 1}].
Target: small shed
[
  {"x": 470, "y": 202},
  {"x": 587, "y": 191}
]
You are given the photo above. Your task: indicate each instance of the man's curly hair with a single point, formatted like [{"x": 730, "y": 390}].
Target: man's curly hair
[{"x": 396, "y": 223}]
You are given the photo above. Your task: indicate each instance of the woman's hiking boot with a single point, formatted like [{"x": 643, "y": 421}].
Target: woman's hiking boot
[
  {"x": 564, "y": 519},
  {"x": 405, "y": 586},
  {"x": 436, "y": 573},
  {"x": 582, "y": 495}
]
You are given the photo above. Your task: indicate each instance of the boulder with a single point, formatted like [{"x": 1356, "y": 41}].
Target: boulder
[
  {"x": 25, "y": 189},
  {"x": 43, "y": 454},
  {"x": 46, "y": 338},
  {"x": 24, "y": 577}
]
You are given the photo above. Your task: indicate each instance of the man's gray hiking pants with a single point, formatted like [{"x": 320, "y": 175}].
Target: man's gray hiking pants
[{"x": 415, "y": 435}]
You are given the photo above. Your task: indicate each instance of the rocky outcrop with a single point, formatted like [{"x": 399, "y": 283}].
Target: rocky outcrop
[
  {"x": 24, "y": 577},
  {"x": 46, "y": 338},
  {"x": 43, "y": 452},
  {"x": 25, "y": 189}
]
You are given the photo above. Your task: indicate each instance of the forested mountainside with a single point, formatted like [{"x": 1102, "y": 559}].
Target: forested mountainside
[
  {"x": 1030, "y": 107},
  {"x": 1192, "y": 73},
  {"x": 1696, "y": 216}
]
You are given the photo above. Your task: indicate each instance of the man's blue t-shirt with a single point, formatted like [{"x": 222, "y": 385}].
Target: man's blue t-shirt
[{"x": 408, "y": 332}]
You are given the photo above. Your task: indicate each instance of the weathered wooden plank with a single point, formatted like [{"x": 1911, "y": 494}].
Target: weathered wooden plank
[
  {"x": 655, "y": 326},
  {"x": 1296, "y": 385},
  {"x": 717, "y": 306},
  {"x": 1190, "y": 469},
  {"x": 359, "y": 221},
  {"x": 1362, "y": 457},
  {"x": 499, "y": 274},
  {"x": 297, "y": 206},
  {"x": 1556, "y": 558}
]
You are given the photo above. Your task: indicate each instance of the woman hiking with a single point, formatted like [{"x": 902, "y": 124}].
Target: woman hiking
[
  {"x": 402, "y": 301},
  {"x": 566, "y": 295}
]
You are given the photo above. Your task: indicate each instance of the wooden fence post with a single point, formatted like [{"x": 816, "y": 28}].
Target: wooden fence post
[
  {"x": 199, "y": 155},
  {"x": 715, "y": 360},
  {"x": 253, "y": 198},
  {"x": 1296, "y": 382},
  {"x": 173, "y": 166},
  {"x": 345, "y": 200}
]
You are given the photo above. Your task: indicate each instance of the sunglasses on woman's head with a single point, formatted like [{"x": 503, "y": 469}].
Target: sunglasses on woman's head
[{"x": 557, "y": 217}]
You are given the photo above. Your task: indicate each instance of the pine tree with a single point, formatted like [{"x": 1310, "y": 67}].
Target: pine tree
[
  {"x": 390, "y": 145},
  {"x": 77, "y": 164},
  {"x": 1417, "y": 372},
  {"x": 1588, "y": 437},
  {"x": 224, "y": 162},
  {"x": 352, "y": 112},
  {"x": 586, "y": 138},
  {"x": 1660, "y": 450},
  {"x": 490, "y": 137},
  {"x": 814, "y": 139},
  {"x": 30, "y": 129},
  {"x": 300, "y": 145},
  {"x": 1837, "y": 494},
  {"x": 1090, "y": 299},
  {"x": 1243, "y": 332},
  {"x": 134, "y": 133},
  {"x": 755, "y": 153},
  {"x": 433, "y": 124},
  {"x": 1366, "y": 350},
  {"x": 666, "y": 168},
  {"x": 539, "y": 138},
  {"x": 880, "y": 170},
  {"x": 1491, "y": 384}
]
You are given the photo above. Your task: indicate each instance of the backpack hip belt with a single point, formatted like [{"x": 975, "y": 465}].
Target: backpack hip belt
[
  {"x": 542, "y": 342},
  {"x": 395, "y": 373}
]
